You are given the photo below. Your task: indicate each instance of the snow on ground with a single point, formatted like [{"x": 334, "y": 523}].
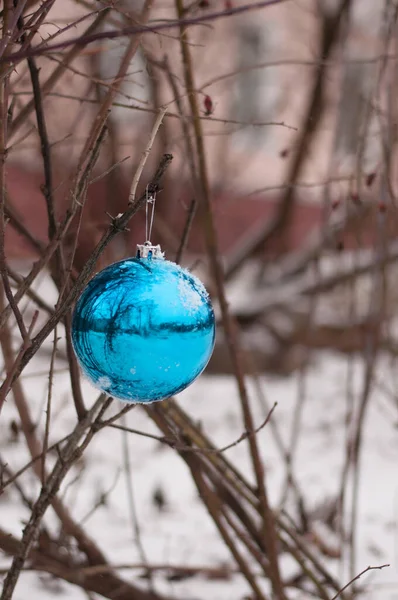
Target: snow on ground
[{"x": 183, "y": 534}]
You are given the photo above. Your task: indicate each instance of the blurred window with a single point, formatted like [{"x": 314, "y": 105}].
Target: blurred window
[
  {"x": 135, "y": 89},
  {"x": 257, "y": 90}
]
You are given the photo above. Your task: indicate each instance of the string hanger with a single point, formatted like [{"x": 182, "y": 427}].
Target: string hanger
[
  {"x": 150, "y": 199},
  {"x": 147, "y": 250}
]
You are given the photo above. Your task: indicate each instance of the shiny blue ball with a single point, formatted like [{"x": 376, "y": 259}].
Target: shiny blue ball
[{"x": 143, "y": 329}]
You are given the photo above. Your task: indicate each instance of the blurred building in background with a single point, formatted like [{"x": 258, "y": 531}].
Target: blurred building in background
[{"x": 255, "y": 75}]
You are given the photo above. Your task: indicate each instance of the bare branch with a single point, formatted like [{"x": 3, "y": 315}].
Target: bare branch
[
  {"x": 145, "y": 154},
  {"x": 358, "y": 577},
  {"x": 128, "y": 31}
]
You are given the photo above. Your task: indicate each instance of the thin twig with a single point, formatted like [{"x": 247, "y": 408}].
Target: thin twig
[
  {"x": 105, "y": 583},
  {"x": 108, "y": 171},
  {"x": 11, "y": 16},
  {"x": 331, "y": 26},
  {"x": 167, "y": 417},
  {"x": 48, "y": 85},
  {"x": 229, "y": 325},
  {"x": 10, "y": 19},
  {"x": 172, "y": 115},
  {"x": 67, "y": 457},
  {"x": 187, "y": 229},
  {"x": 212, "y": 573},
  {"x": 248, "y": 434},
  {"x": 12, "y": 367},
  {"x": 357, "y": 577},
  {"x": 118, "y": 224},
  {"x": 131, "y": 503},
  {"x": 184, "y": 448},
  {"x": 145, "y": 154},
  {"x": 48, "y": 411},
  {"x": 214, "y": 507},
  {"x": 44, "y": 146},
  {"x": 140, "y": 29}
]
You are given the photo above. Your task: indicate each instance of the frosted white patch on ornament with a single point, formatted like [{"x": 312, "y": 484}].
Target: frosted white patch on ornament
[
  {"x": 104, "y": 382},
  {"x": 190, "y": 297}
]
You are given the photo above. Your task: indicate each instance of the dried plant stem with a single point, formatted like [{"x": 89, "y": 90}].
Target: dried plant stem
[
  {"x": 304, "y": 555},
  {"x": 38, "y": 300},
  {"x": 170, "y": 412},
  {"x": 221, "y": 478},
  {"x": 74, "y": 370},
  {"x": 45, "y": 147},
  {"x": 141, "y": 29},
  {"x": 338, "y": 595},
  {"x": 187, "y": 229},
  {"x": 145, "y": 154},
  {"x": 48, "y": 411},
  {"x": 228, "y": 323},
  {"x": 245, "y": 537},
  {"x": 294, "y": 552},
  {"x": 173, "y": 443},
  {"x": 15, "y": 221},
  {"x": 46, "y": 256},
  {"x": 189, "y": 150},
  {"x": 136, "y": 531},
  {"x": 106, "y": 104},
  {"x": 11, "y": 16},
  {"x": 10, "y": 19},
  {"x": 118, "y": 224},
  {"x": 100, "y": 579},
  {"x": 59, "y": 273},
  {"x": 12, "y": 365},
  {"x": 79, "y": 201},
  {"x": 268, "y": 231},
  {"x": 85, "y": 544},
  {"x": 172, "y": 80},
  {"x": 55, "y": 76},
  {"x": 38, "y": 266},
  {"x": 224, "y": 476},
  {"x": 68, "y": 456},
  {"x": 265, "y": 543},
  {"x": 214, "y": 508}
]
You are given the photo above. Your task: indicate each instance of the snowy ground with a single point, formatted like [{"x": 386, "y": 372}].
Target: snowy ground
[{"x": 183, "y": 534}]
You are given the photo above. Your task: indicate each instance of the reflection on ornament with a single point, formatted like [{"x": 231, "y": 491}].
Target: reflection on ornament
[{"x": 143, "y": 329}]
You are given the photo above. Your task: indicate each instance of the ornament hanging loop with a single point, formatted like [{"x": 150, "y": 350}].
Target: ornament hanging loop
[
  {"x": 148, "y": 250},
  {"x": 150, "y": 199}
]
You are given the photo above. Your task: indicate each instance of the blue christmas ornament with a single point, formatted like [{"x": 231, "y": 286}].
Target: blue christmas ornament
[{"x": 143, "y": 329}]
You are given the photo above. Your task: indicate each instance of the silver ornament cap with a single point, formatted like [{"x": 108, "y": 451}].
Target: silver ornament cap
[{"x": 148, "y": 250}]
